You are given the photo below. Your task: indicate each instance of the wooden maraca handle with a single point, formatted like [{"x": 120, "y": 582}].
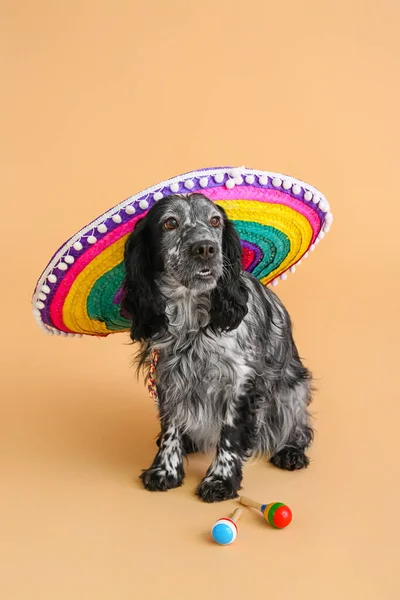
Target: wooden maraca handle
[
  {"x": 249, "y": 502},
  {"x": 236, "y": 515}
]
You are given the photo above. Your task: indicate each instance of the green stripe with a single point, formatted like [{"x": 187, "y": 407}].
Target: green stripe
[
  {"x": 100, "y": 304},
  {"x": 274, "y": 244},
  {"x": 271, "y": 513}
]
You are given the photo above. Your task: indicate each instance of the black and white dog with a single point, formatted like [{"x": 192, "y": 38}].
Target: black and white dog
[{"x": 229, "y": 376}]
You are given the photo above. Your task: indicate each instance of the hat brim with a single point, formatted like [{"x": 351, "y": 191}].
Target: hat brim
[{"x": 279, "y": 219}]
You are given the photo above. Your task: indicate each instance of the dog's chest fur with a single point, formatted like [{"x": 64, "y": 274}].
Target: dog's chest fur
[{"x": 201, "y": 374}]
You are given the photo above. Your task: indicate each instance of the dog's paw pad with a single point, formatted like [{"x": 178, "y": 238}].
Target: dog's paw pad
[
  {"x": 157, "y": 479},
  {"x": 212, "y": 489},
  {"x": 291, "y": 459}
]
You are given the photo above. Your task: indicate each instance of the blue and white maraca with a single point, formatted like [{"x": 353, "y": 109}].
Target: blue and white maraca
[{"x": 225, "y": 530}]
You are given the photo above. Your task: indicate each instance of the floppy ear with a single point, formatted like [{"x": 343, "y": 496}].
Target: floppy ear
[
  {"x": 229, "y": 299},
  {"x": 142, "y": 298}
]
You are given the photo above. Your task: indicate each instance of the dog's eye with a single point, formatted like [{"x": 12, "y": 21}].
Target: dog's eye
[
  {"x": 171, "y": 223},
  {"x": 215, "y": 221}
]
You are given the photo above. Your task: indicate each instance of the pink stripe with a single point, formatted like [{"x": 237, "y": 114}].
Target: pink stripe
[
  {"x": 79, "y": 265},
  {"x": 250, "y": 192}
]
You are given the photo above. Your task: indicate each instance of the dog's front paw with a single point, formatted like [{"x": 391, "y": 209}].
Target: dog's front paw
[
  {"x": 291, "y": 459},
  {"x": 158, "y": 479},
  {"x": 215, "y": 489}
]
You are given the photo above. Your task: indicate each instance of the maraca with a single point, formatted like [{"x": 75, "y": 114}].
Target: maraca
[
  {"x": 276, "y": 514},
  {"x": 225, "y": 530}
]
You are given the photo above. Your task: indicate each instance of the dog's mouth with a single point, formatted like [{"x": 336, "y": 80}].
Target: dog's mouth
[{"x": 204, "y": 273}]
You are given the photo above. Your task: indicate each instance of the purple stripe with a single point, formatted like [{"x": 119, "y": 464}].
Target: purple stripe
[
  {"x": 257, "y": 253},
  {"x": 119, "y": 296}
]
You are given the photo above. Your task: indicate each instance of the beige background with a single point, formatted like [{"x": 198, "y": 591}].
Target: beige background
[{"x": 100, "y": 100}]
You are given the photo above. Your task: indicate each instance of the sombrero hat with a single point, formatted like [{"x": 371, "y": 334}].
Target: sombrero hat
[{"x": 279, "y": 220}]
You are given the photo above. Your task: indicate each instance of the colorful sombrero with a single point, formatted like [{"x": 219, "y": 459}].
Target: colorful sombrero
[{"x": 279, "y": 220}]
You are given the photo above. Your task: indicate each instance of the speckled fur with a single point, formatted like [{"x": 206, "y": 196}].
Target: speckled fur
[{"x": 229, "y": 376}]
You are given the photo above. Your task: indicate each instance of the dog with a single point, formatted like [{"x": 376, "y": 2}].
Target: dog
[{"x": 229, "y": 376}]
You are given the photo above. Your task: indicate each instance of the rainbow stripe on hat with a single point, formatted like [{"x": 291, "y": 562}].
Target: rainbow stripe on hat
[{"x": 279, "y": 220}]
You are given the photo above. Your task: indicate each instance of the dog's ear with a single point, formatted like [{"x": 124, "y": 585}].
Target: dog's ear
[
  {"x": 142, "y": 299},
  {"x": 229, "y": 299}
]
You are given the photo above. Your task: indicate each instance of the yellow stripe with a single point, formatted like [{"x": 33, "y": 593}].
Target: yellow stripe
[
  {"x": 267, "y": 509},
  {"x": 75, "y": 313},
  {"x": 294, "y": 225}
]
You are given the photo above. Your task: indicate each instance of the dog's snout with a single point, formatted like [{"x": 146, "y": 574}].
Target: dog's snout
[{"x": 204, "y": 249}]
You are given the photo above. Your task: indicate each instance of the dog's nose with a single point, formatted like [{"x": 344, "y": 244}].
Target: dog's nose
[{"x": 204, "y": 250}]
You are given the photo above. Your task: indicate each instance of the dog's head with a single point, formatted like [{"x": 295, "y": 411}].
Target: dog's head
[{"x": 190, "y": 240}]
